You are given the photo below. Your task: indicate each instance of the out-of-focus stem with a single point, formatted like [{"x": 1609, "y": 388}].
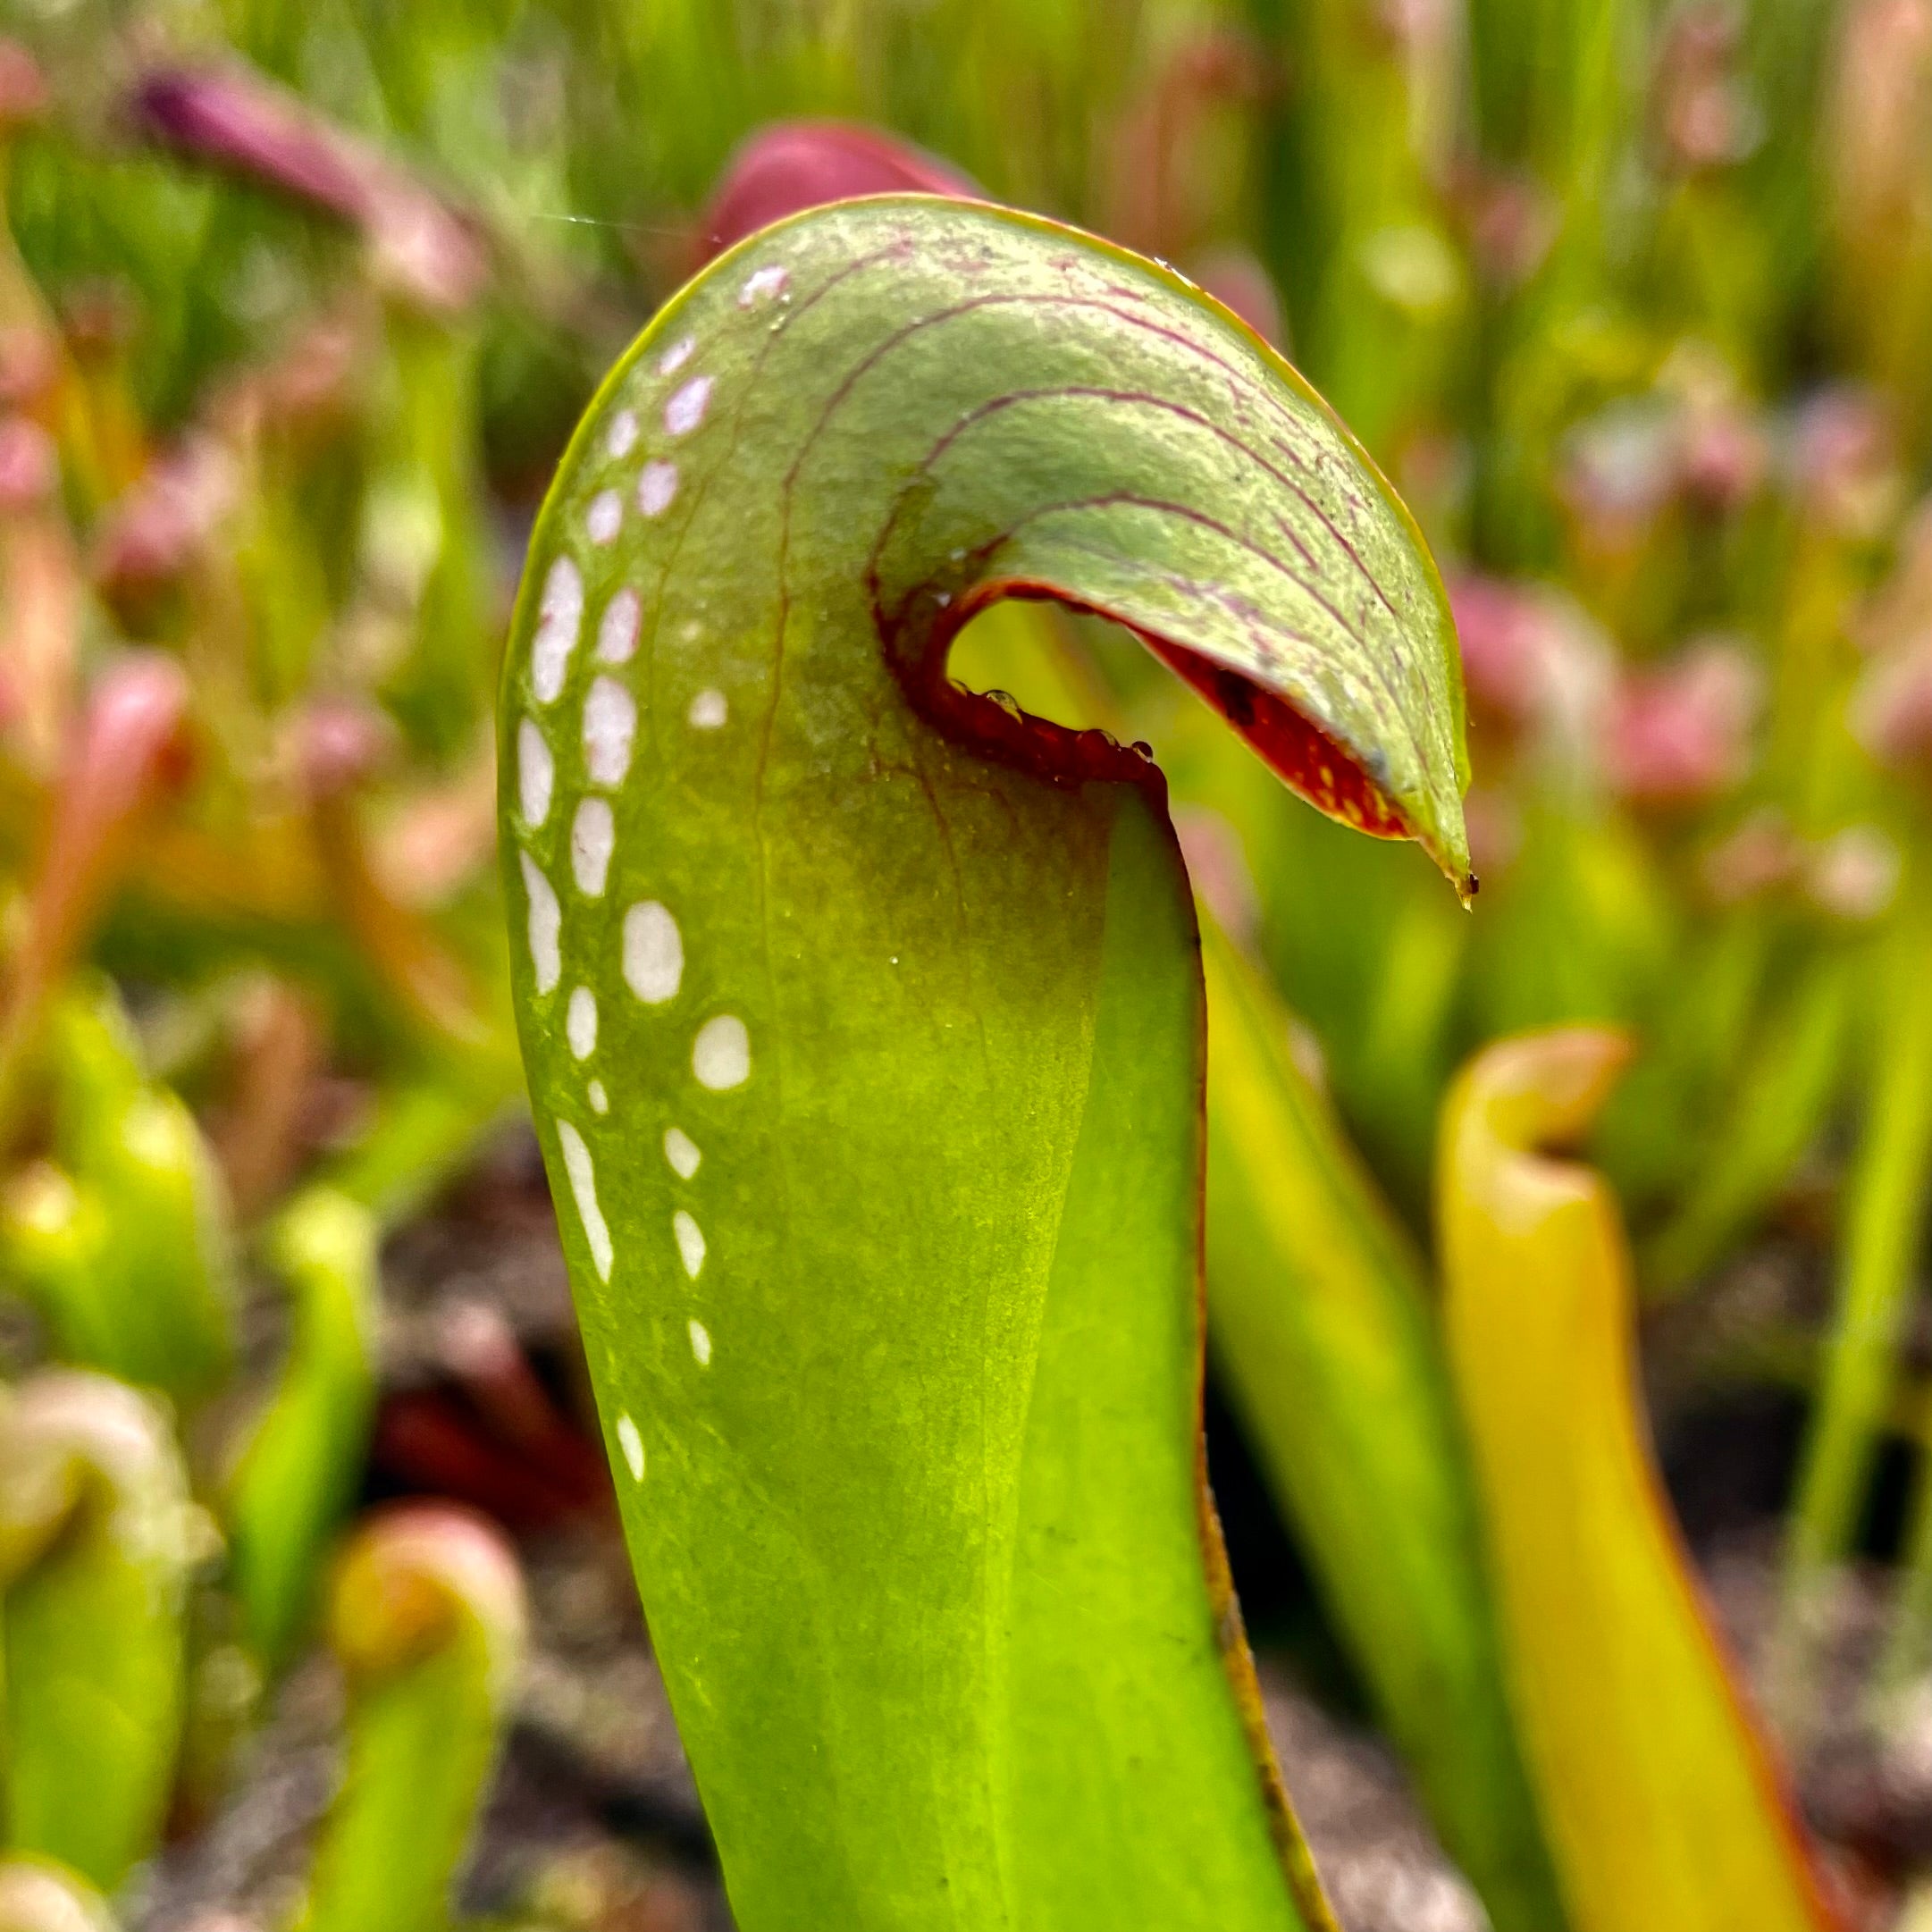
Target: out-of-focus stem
[
  {"x": 1909, "y": 1643},
  {"x": 1787, "y": 1088},
  {"x": 94, "y": 1554},
  {"x": 430, "y": 987},
  {"x": 130, "y": 745},
  {"x": 297, "y": 1476},
  {"x": 1883, "y": 1237},
  {"x": 427, "y": 1618},
  {"x": 258, "y": 1140},
  {"x": 40, "y": 622},
  {"x": 429, "y": 983}
]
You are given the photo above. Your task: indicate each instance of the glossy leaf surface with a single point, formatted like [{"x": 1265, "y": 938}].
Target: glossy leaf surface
[
  {"x": 864, "y": 1021},
  {"x": 1663, "y": 1805}
]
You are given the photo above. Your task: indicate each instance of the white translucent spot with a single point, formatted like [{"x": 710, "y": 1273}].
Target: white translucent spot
[
  {"x": 657, "y": 484},
  {"x": 600, "y": 1100},
  {"x": 580, "y": 1023},
  {"x": 584, "y": 1188},
  {"x": 763, "y": 283},
  {"x": 536, "y": 772},
  {"x": 685, "y": 409},
  {"x": 609, "y": 723},
  {"x": 621, "y": 438},
  {"x": 690, "y": 1242},
  {"x": 605, "y": 516},
  {"x": 633, "y": 1446},
  {"x": 682, "y": 1151},
  {"x": 700, "y": 1341},
  {"x": 676, "y": 356},
  {"x": 708, "y": 710},
  {"x": 721, "y": 1054},
  {"x": 546, "y": 925},
  {"x": 691, "y": 632},
  {"x": 559, "y": 617},
  {"x": 617, "y": 633},
  {"x": 653, "y": 953},
  {"x": 593, "y": 836}
]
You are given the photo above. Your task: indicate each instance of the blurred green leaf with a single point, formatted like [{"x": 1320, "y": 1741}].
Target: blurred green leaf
[
  {"x": 1882, "y": 1243},
  {"x": 426, "y": 1618},
  {"x": 297, "y": 1473},
  {"x": 1319, "y": 1313},
  {"x": 95, "y": 1542},
  {"x": 165, "y": 1291}
]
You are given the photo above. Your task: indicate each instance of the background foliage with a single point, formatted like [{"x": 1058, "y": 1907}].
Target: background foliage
[{"x": 298, "y": 306}]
